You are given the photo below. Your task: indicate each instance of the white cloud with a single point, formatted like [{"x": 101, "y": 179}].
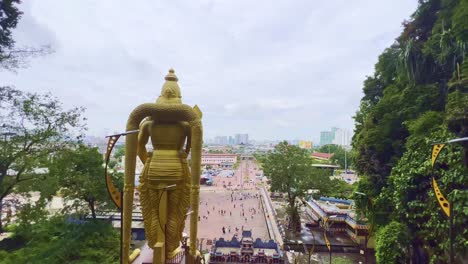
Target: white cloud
[{"x": 250, "y": 65}]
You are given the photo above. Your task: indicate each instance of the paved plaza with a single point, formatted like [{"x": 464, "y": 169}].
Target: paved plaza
[{"x": 233, "y": 207}]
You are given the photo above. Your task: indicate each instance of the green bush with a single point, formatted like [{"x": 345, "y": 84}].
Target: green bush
[
  {"x": 57, "y": 241},
  {"x": 392, "y": 243}
]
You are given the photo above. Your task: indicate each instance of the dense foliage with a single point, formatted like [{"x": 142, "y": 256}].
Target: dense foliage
[
  {"x": 60, "y": 240},
  {"x": 392, "y": 243},
  {"x": 33, "y": 128},
  {"x": 417, "y": 96},
  {"x": 79, "y": 177},
  {"x": 40, "y": 152}
]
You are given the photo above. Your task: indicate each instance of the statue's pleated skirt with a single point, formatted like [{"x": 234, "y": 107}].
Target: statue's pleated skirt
[{"x": 166, "y": 168}]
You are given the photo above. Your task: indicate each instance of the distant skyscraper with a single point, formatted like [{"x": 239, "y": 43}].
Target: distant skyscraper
[
  {"x": 326, "y": 137},
  {"x": 221, "y": 140},
  {"x": 242, "y": 139},
  {"x": 342, "y": 138},
  {"x": 337, "y": 136}
]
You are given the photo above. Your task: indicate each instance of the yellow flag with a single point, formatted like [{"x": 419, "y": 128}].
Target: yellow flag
[
  {"x": 444, "y": 204},
  {"x": 327, "y": 241},
  {"x": 435, "y": 152}
]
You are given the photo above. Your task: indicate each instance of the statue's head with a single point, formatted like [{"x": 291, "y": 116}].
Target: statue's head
[{"x": 170, "y": 92}]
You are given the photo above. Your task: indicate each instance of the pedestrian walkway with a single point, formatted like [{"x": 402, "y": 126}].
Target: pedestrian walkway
[{"x": 276, "y": 235}]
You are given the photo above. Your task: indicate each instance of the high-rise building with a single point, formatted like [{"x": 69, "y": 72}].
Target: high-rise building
[
  {"x": 221, "y": 140},
  {"x": 337, "y": 136},
  {"x": 326, "y": 137},
  {"x": 242, "y": 139},
  {"x": 342, "y": 138}
]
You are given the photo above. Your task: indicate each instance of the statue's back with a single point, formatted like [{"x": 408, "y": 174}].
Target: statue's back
[{"x": 166, "y": 162}]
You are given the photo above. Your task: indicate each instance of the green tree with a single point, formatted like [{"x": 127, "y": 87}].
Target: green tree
[
  {"x": 33, "y": 129},
  {"x": 392, "y": 243},
  {"x": 290, "y": 170},
  {"x": 80, "y": 175},
  {"x": 341, "y": 189},
  {"x": 62, "y": 240}
]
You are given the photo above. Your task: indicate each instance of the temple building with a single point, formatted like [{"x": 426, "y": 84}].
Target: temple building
[
  {"x": 245, "y": 250},
  {"x": 341, "y": 218}
]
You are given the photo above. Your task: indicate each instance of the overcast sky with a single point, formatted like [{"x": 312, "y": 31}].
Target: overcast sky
[{"x": 278, "y": 69}]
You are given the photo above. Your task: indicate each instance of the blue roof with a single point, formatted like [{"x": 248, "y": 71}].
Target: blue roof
[
  {"x": 232, "y": 243},
  {"x": 335, "y": 200},
  {"x": 269, "y": 245}
]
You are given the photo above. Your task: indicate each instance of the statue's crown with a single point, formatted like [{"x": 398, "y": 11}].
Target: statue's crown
[
  {"x": 171, "y": 76},
  {"x": 170, "y": 92}
]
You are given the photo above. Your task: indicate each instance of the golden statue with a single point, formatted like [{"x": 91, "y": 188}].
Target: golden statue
[{"x": 167, "y": 188}]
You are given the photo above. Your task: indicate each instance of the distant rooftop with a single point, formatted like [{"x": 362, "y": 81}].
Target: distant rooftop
[
  {"x": 326, "y": 166},
  {"x": 321, "y": 155}
]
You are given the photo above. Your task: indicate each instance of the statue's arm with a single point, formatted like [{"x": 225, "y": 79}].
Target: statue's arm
[{"x": 143, "y": 137}]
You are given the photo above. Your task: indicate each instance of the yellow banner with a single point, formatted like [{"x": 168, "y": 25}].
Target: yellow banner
[
  {"x": 327, "y": 241},
  {"x": 444, "y": 204},
  {"x": 325, "y": 232},
  {"x": 435, "y": 152}
]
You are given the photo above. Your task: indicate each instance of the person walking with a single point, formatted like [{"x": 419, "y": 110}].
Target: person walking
[{"x": 224, "y": 230}]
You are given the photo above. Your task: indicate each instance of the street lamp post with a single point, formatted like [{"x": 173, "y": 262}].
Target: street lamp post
[{"x": 345, "y": 162}]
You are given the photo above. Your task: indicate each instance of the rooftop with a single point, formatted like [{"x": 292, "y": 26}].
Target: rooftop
[{"x": 321, "y": 155}]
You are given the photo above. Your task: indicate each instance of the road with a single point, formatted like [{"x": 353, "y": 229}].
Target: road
[{"x": 244, "y": 177}]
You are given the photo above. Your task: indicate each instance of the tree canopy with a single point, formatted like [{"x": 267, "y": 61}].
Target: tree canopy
[
  {"x": 62, "y": 240},
  {"x": 33, "y": 129},
  {"x": 290, "y": 170},
  {"x": 418, "y": 95},
  {"x": 80, "y": 178},
  {"x": 41, "y": 151}
]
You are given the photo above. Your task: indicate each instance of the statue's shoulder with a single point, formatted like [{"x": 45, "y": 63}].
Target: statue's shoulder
[
  {"x": 146, "y": 123},
  {"x": 184, "y": 125}
]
